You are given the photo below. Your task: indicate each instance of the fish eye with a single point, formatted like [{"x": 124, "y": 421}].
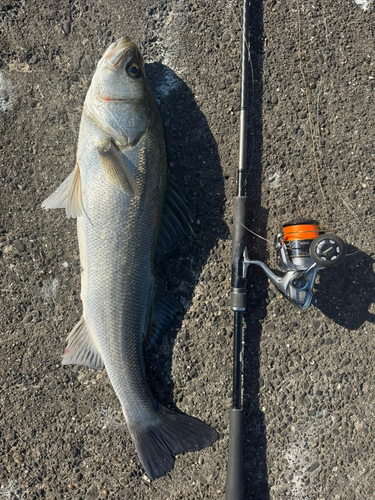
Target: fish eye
[{"x": 134, "y": 71}]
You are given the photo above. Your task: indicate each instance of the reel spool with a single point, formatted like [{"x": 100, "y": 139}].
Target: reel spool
[
  {"x": 298, "y": 236},
  {"x": 302, "y": 250},
  {"x": 304, "y": 242}
]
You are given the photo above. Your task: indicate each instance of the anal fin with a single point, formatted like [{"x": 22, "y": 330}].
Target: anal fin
[{"x": 81, "y": 349}]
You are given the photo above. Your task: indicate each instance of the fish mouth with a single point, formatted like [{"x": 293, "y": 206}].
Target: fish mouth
[{"x": 117, "y": 50}]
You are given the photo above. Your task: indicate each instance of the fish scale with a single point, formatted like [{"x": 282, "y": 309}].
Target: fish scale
[
  {"x": 127, "y": 280},
  {"x": 117, "y": 191}
]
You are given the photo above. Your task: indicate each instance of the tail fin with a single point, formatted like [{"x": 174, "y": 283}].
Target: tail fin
[{"x": 169, "y": 434}]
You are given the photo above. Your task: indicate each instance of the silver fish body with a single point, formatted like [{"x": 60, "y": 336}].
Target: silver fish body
[{"x": 117, "y": 192}]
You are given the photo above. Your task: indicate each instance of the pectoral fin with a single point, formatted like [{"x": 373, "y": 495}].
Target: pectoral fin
[
  {"x": 68, "y": 195},
  {"x": 115, "y": 167}
]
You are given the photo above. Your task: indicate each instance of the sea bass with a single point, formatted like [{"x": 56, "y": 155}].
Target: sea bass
[{"x": 118, "y": 193}]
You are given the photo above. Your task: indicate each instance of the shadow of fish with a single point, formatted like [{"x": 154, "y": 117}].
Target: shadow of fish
[{"x": 118, "y": 192}]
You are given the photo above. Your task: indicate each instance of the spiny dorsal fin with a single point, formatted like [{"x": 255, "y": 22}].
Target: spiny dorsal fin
[
  {"x": 115, "y": 167},
  {"x": 81, "y": 349},
  {"x": 68, "y": 195},
  {"x": 177, "y": 220}
]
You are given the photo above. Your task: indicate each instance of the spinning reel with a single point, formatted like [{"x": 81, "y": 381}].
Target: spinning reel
[{"x": 301, "y": 252}]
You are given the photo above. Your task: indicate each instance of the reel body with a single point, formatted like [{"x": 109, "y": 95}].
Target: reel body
[{"x": 301, "y": 251}]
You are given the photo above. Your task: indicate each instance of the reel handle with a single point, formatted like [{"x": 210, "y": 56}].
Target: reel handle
[{"x": 327, "y": 250}]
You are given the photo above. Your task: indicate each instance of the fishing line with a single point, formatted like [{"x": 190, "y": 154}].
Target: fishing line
[
  {"x": 308, "y": 112},
  {"x": 250, "y": 111},
  {"x": 269, "y": 241},
  {"x": 230, "y": 4},
  {"x": 252, "y": 95},
  {"x": 345, "y": 202},
  {"x": 251, "y": 118},
  {"x": 252, "y": 232},
  {"x": 322, "y": 159},
  {"x": 347, "y": 205}
]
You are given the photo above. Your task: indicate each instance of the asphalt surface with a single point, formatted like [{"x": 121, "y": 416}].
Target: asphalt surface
[{"x": 309, "y": 378}]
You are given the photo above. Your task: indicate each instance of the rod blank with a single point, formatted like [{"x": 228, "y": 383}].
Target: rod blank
[{"x": 234, "y": 482}]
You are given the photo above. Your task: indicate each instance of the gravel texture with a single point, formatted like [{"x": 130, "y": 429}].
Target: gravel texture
[{"x": 309, "y": 378}]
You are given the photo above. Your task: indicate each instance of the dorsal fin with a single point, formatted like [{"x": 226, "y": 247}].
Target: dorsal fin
[{"x": 176, "y": 222}]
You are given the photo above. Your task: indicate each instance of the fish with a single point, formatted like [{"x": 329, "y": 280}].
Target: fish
[{"x": 128, "y": 211}]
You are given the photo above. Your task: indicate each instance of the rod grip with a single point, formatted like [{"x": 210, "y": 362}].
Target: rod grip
[
  {"x": 234, "y": 483},
  {"x": 239, "y": 221}
]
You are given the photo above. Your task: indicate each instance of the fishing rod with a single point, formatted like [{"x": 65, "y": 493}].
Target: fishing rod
[
  {"x": 302, "y": 249},
  {"x": 234, "y": 482}
]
